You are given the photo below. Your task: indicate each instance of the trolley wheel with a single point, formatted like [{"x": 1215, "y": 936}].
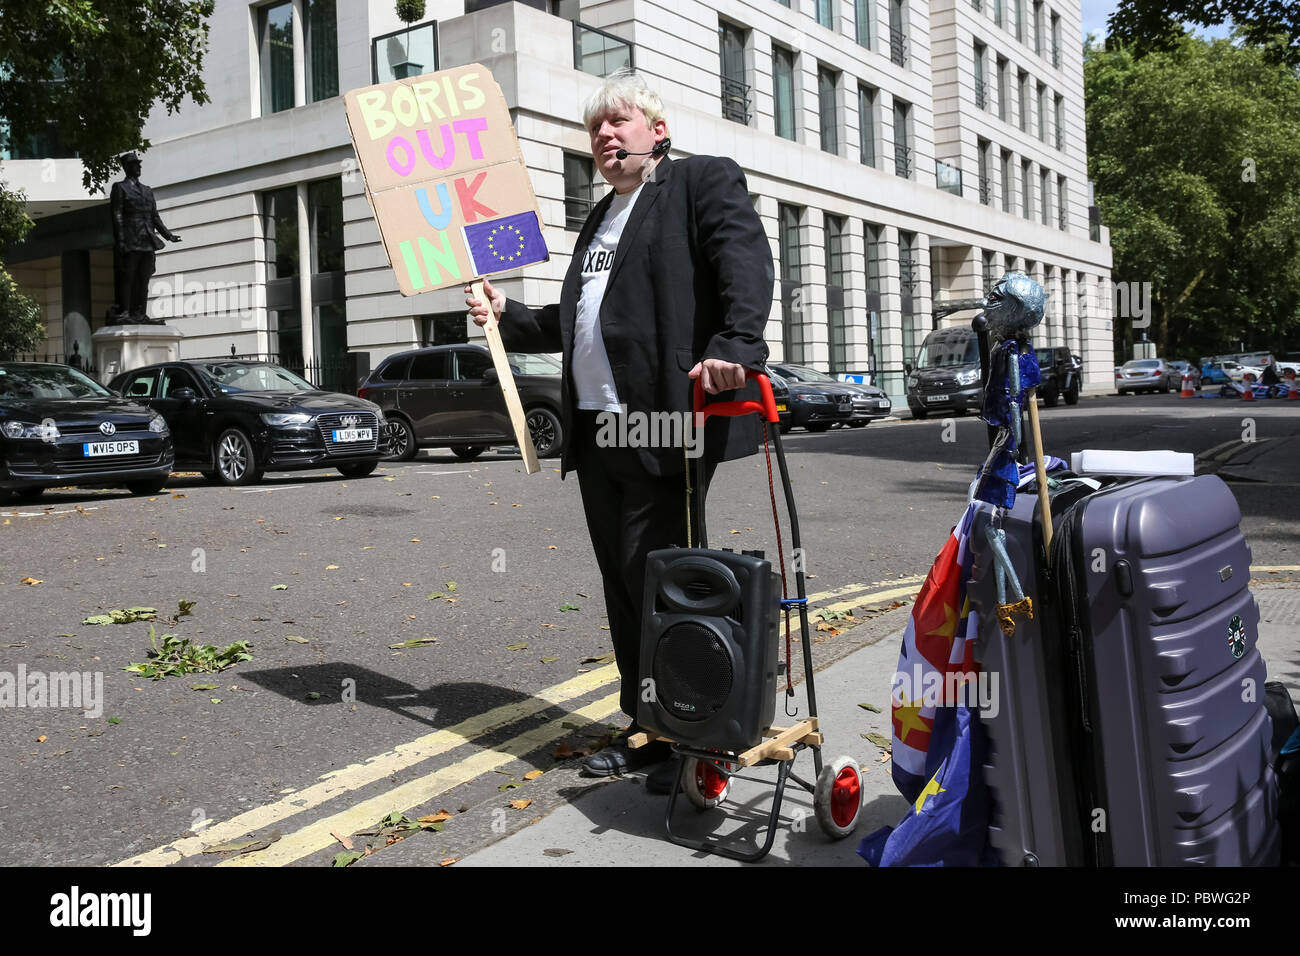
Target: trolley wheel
[
  {"x": 703, "y": 785},
  {"x": 837, "y": 799}
]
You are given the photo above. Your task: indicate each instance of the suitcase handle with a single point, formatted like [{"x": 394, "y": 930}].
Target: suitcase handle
[{"x": 765, "y": 407}]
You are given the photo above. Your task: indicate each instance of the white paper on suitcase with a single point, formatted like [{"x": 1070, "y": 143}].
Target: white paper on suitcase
[{"x": 1107, "y": 462}]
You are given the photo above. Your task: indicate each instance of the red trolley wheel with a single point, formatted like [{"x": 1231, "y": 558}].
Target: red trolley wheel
[
  {"x": 704, "y": 786},
  {"x": 837, "y": 799}
]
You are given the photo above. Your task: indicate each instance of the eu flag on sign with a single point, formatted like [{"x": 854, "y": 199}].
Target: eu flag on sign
[{"x": 507, "y": 243}]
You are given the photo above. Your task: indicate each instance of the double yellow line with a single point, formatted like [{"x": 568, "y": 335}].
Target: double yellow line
[{"x": 316, "y": 836}]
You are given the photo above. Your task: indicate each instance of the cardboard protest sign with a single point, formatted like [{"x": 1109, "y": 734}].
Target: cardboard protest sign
[
  {"x": 450, "y": 193},
  {"x": 445, "y": 178}
]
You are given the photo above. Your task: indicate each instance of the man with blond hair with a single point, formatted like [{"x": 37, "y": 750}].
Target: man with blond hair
[{"x": 670, "y": 281}]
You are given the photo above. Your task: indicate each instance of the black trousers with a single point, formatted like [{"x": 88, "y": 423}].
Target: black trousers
[
  {"x": 133, "y": 270},
  {"x": 629, "y": 514}
]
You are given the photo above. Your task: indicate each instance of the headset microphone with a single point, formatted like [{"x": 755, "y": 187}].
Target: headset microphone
[{"x": 660, "y": 148}]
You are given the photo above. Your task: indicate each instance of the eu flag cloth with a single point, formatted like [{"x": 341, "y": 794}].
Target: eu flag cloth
[
  {"x": 938, "y": 743},
  {"x": 499, "y": 245}
]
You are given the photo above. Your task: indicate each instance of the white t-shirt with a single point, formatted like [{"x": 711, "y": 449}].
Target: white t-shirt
[{"x": 592, "y": 377}]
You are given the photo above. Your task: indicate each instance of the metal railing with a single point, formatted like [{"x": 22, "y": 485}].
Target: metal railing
[
  {"x": 1062, "y": 220},
  {"x": 76, "y": 360},
  {"x": 903, "y": 161},
  {"x": 986, "y": 191},
  {"x": 1060, "y": 138},
  {"x": 897, "y": 46},
  {"x": 600, "y": 53},
  {"x": 735, "y": 101}
]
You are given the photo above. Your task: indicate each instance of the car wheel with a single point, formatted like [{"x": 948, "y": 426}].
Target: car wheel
[
  {"x": 1072, "y": 394},
  {"x": 818, "y": 426},
  {"x": 785, "y": 429},
  {"x": 358, "y": 469},
  {"x": 402, "y": 445},
  {"x": 920, "y": 412},
  {"x": 24, "y": 494},
  {"x": 209, "y": 475},
  {"x": 146, "y": 487},
  {"x": 546, "y": 431},
  {"x": 857, "y": 424},
  {"x": 1051, "y": 397},
  {"x": 468, "y": 452},
  {"x": 236, "y": 463}
]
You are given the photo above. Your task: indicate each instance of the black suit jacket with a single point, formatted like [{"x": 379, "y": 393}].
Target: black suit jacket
[{"x": 692, "y": 279}]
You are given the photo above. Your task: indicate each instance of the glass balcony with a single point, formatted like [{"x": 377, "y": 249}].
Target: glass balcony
[
  {"x": 599, "y": 53},
  {"x": 947, "y": 177}
]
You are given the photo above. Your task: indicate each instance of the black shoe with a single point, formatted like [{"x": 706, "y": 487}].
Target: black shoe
[
  {"x": 663, "y": 778},
  {"x": 618, "y": 757}
]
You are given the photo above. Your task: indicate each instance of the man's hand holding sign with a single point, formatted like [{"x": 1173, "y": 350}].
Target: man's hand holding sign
[{"x": 450, "y": 192}]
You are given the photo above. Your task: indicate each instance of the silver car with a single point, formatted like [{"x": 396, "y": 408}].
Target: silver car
[{"x": 1146, "y": 375}]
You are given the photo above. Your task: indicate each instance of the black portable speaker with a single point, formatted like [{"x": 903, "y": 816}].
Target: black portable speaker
[{"x": 709, "y": 647}]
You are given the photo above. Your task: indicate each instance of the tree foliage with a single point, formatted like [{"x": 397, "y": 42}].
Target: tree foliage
[
  {"x": 1149, "y": 25},
  {"x": 95, "y": 69},
  {"x": 1195, "y": 153}
]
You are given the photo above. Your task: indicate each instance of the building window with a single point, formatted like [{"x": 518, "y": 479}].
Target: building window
[
  {"x": 792, "y": 328},
  {"x": 275, "y": 30},
  {"x": 1038, "y": 27},
  {"x": 867, "y": 125},
  {"x": 1024, "y": 102},
  {"x": 783, "y": 91},
  {"x": 902, "y": 140},
  {"x": 1008, "y": 179},
  {"x": 600, "y": 53},
  {"x": 325, "y": 206},
  {"x": 862, "y": 21},
  {"x": 837, "y": 277},
  {"x": 1004, "y": 90},
  {"x": 875, "y": 257},
  {"x": 1042, "y": 112},
  {"x": 1056, "y": 40},
  {"x": 321, "y": 22},
  {"x": 1062, "y": 206},
  {"x": 1020, "y": 21},
  {"x": 735, "y": 91},
  {"x": 405, "y": 53},
  {"x": 579, "y": 190},
  {"x": 991, "y": 275},
  {"x": 998, "y": 17},
  {"x": 897, "y": 33},
  {"x": 947, "y": 177},
  {"x": 984, "y": 149},
  {"x": 827, "y": 81},
  {"x": 280, "y": 229},
  {"x": 1026, "y": 189},
  {"x": 1044, "y": 196},
  {"x": 981, "y": 92},
  {"x": 825, "y": 16},
  {"x": 1060, "y": 122},
  {"x": 909, "y": 273}
]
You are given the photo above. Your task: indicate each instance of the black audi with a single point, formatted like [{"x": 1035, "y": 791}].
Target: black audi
[
  {"x": 232, "y": 420},
  {"x": 60, "y": 427}
]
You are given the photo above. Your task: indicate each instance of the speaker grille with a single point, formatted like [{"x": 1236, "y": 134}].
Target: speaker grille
[{"x": 692, "y": 671}]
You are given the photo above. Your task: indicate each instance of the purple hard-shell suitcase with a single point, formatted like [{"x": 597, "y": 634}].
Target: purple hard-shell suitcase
[{"x": 1147, "y": 729}]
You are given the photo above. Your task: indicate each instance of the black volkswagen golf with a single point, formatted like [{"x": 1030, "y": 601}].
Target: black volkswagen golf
[
  {"x": 233, "y": 420},
  {"x": 61, "y": 427}
]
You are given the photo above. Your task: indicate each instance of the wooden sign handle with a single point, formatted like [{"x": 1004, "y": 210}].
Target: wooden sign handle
[
  {"x": 507, "y": 379},
  {"x": 1040, "y": 470}
]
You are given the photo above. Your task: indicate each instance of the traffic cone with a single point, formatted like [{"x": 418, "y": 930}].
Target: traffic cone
[
  {"x": 1187, "y": 390},
  {"x": 1248, "y": 388},
  {"x": 1293, "y": 388}
]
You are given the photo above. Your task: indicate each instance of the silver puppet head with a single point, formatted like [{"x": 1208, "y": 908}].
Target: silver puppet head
[{"x": 1014, "y": 306}]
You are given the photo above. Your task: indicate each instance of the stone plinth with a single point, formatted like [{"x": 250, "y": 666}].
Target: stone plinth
[{"x": 121, "y": 348}]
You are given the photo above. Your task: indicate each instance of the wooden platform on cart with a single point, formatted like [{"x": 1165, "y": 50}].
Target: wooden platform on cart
[{"x": 778, "y": 742}]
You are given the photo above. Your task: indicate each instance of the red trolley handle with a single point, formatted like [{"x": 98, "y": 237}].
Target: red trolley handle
[{"x": 766, "y": 407}]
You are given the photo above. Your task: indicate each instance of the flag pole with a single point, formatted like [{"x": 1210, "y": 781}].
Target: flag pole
[
  {"x": 507, "y": 379},
  {"x": 1040, "y": 469}
]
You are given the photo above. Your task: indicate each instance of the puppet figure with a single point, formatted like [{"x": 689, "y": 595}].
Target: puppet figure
[{"x": 1013, "y": 308}]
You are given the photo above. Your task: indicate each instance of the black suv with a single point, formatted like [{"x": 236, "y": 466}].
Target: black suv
[
  {"x": 1062, "y": 375},
  {"x": 947, "y": 373},
  {"x": 448, "y": 396}
]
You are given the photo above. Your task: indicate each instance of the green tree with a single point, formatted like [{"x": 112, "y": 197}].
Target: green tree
[
  {"x": 1195, "y": 153},
  {"x": 1157, "y": 24},
  {"x": 93, "y": 70}
]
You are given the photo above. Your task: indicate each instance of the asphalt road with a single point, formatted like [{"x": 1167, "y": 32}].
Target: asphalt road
[{"x": 331, "y": 731}]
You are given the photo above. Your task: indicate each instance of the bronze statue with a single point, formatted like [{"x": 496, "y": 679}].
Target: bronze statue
[{"x": 135, "y": 219}]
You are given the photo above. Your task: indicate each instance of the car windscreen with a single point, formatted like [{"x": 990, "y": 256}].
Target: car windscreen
[
  {"x": 229, "y": 377},
  {"x": 801, "y": 373},
  {"x": 47, "y": 381},
  {"x": 1144, "y": 364},
  {"x": 524, "y": 363},
  {"x": 949, "y": 352}
]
